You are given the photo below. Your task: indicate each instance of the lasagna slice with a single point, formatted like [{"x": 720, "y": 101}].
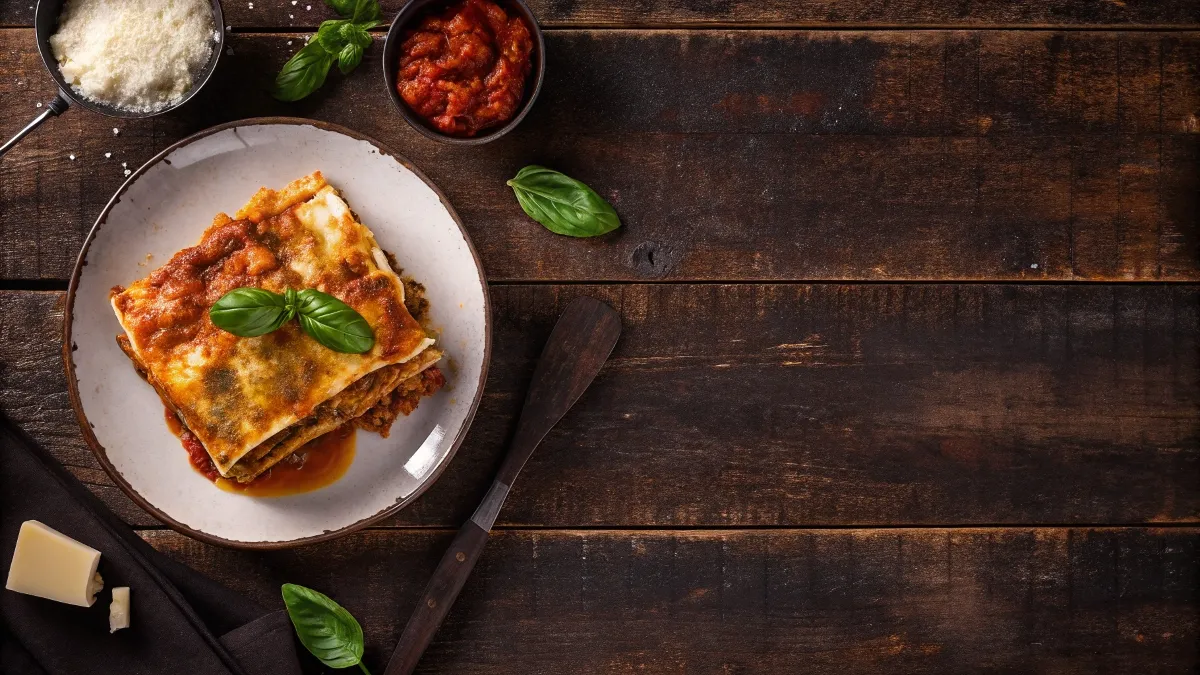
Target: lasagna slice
[{"x": 252, "y": 402}]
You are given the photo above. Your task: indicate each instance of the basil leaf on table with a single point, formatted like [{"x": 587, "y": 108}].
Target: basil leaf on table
[
  {"x": 349, "y": 58},
  {"x": 329, "y": 34},
  {"x": 356, "y": 33},
  {"x": 250, "y": 312},
  {"x": 343, "y": 7},
  {"x": 333, "y": 323},
  {"x": 365, "y": 10},
  {"x": 324, "y": 627},
  {"x": 304, "y": 73},
  {"x": 562, "y": 204},
  {"x": 342, "y": 40}
]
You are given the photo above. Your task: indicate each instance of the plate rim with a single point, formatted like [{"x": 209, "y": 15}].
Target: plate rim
[{"x": 73, "y": 385}]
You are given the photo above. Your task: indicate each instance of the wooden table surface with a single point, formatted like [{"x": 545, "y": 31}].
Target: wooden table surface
[{"x": 909, "y": 381}]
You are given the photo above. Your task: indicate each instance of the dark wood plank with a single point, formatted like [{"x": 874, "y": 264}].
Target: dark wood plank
[
  {"x": 578, "y": 346},
  {"x": 598, "y": 13},
  {"x": 804, "y": 405},
  {"x": 741, "y": 156},
  {"x": 821, "y": 601}
]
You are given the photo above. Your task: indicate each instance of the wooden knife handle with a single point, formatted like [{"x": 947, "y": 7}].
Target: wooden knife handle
[{"x": 439, "y": 595}]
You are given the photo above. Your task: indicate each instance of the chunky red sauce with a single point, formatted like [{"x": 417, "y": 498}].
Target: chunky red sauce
[{"x": 463, "y": 70}]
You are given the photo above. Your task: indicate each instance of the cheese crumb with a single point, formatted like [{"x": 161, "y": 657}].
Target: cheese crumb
[
  {"x": 118, "y": 611},
  {"x": 136, "y": 56},
  {"x": 108, "y": 155},
  {"x": 116, "y": 131},
  {"x": 71, "y": 157}
]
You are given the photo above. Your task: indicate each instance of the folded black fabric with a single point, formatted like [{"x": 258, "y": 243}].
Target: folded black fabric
[{"x": 181, "y": 622}]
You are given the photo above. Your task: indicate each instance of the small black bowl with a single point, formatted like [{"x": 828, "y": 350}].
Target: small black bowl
[{"x": 416, "y": 9}]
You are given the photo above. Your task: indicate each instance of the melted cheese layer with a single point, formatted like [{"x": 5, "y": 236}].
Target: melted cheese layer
[{"x": 233, "y": 393}]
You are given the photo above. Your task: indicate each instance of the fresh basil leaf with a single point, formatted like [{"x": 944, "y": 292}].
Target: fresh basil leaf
[
  {"x": 329, "y": 34},
  {"x": 349, "y": 58},
  {"x": 333, "y": 323},
  {"x": 357, "y": 34},
  {"x": 324, "y": 627},
  {"x": 343, "y": 7},
  {"x": 365, "y": 10},
  {"x": 304, "y": 73},
  {"x": 562, "y": 204},
  {"x": 250, "y": 312}
]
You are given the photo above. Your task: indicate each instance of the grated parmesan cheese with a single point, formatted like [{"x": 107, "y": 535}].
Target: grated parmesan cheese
[{"x": 136, "y": 56}]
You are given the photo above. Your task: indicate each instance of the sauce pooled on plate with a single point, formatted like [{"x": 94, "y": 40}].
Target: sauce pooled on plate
[{"x": 320, "y": 462}]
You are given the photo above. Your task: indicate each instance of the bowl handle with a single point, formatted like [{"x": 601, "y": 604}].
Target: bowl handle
[{"x": 54, "y": 108}]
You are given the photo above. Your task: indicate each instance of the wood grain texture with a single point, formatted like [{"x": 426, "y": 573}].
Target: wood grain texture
[
  {"x": 596, "y": 13},
  {"x": 824, "y": 601},
  {"x": 767, "y": 405},
  {"x": 828, "y": 155},
  {"x": 578, "y": 346}
]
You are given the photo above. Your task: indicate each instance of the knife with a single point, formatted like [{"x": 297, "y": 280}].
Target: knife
[{"x": 578, "y": 346}]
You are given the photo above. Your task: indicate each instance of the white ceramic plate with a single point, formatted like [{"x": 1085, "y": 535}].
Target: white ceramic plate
[{"x": 164, "y": 207}]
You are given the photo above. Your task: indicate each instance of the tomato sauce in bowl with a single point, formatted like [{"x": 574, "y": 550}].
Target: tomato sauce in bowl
[{"x": 463, "y": 69}]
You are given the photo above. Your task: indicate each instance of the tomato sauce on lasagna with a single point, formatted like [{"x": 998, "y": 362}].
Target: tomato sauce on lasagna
[{"x": 251, "y": 402}]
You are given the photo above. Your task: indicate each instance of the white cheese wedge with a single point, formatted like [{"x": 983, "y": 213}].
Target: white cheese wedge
[
  {"x": 51, "y": 565},
  {"x": 118, "y": 611}
]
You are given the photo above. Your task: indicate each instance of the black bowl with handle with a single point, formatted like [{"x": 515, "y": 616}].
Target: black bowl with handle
[
  {"x": 407, "y": 18},
  {"x": 45, "y": 21}
]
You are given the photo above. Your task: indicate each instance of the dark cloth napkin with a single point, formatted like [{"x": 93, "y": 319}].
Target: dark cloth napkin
[{"x": 181, "y": 622}]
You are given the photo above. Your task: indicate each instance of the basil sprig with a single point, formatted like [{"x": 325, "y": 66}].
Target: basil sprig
[
  {"x": 324, "y": 627},
  {"x": 341, "y": 40},
  {"x": 251, "y": 312},
  {"x": 562, "y": 204}
]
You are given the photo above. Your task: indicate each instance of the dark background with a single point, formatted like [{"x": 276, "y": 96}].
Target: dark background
[{"x": 909, "y": 381}]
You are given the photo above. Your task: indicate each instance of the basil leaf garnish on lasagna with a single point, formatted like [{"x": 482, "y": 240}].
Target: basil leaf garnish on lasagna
[{"x": 253, "y": 399}]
